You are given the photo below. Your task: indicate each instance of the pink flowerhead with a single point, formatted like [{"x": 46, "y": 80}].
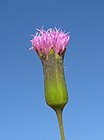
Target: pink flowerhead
[{"x": 54, "y": 39}]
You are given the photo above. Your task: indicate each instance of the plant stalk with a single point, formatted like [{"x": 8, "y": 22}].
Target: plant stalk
[{"x": 60, "y": 122}]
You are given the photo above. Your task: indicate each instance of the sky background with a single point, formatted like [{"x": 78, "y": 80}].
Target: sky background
[{"x": 24, "y": 114}]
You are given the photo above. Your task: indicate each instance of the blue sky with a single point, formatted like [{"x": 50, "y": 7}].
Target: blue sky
[{"x": 24, "y": 114}]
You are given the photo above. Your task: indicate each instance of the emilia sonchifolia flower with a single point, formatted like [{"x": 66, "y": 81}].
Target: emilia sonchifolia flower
[{"x": 50, "y": 46}]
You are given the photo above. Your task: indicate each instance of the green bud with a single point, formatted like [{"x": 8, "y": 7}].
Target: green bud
[{"x": 56, "y": 94}]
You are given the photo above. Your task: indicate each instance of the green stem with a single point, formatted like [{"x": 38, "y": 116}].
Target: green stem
[{"x": 60, "y": 122}]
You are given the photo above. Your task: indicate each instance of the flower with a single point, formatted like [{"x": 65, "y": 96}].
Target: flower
[
  {"x": 54, "y": 39},
  {"x": 50, "y": 45}
]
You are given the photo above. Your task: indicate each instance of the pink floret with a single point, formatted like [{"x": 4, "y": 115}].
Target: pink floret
[{"x": 43, "y": 41}]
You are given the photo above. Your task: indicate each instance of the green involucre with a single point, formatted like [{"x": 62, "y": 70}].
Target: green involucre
[{"x": 54, "y": 81}]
